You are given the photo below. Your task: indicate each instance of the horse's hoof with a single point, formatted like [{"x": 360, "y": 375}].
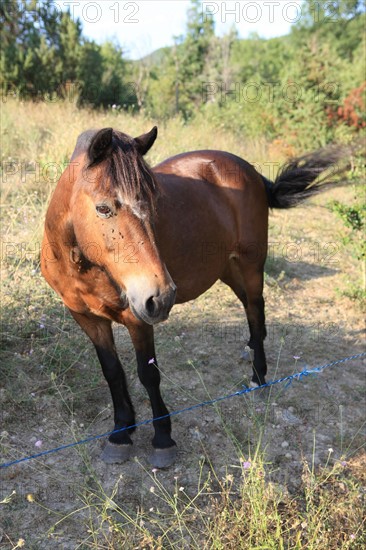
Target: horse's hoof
[
  {"x": 163, "y": 458},
  {"x": 261, "y": 394},
  {"x": 114, "y": 453}
]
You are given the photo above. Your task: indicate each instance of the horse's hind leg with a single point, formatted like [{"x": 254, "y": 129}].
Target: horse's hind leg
[
  {"x": 142, "y": 336},
  {"x": 247, "y": 283},
  {"x": 118, "y": 448}
]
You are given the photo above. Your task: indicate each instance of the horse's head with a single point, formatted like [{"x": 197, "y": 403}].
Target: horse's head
[{"x": 113, "y": 206}]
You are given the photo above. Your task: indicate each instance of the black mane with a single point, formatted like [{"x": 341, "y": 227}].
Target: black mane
[{"x": 124, "y": 168}]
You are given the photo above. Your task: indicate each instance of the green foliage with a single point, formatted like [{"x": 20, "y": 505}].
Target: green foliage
[
  {"x": 189, "y": 64},
  {"x": 44, "y": 55},
  {"x": 353, "y": 216},
  {"x": 354, "y": 219},
  {"x": 304, "y": 89}
]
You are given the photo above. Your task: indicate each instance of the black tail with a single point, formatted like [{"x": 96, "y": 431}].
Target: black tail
[{"x": 305, "y": 176}]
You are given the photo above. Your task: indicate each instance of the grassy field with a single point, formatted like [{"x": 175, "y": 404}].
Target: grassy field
[{"x": 285, "y": 473}]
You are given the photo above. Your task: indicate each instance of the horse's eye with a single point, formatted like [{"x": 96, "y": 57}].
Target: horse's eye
[{"x": 104, "y": 211}]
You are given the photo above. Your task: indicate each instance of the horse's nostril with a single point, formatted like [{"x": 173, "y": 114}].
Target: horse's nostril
[
  {"x": 159, "y": 304},
  {"x": 150, "y": 306}
]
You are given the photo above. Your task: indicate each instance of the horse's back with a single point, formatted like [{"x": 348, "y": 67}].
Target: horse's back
[
  {"x": 225, "y": 184},
  {"x": 218, "y": 167}
]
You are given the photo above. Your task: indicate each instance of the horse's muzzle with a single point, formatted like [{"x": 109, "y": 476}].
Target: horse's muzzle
[{"x": 155, "y": 307}]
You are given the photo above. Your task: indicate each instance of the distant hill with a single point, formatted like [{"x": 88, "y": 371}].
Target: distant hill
[{"x": 156, "y": 57}]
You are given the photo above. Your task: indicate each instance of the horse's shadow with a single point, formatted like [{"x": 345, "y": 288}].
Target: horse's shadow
[{"x": 280, "y": 267}]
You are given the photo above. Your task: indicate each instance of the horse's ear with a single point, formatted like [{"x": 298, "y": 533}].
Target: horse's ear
[
  {"x": 146, "y": 141},
  {"x": 100, "y": 145}
]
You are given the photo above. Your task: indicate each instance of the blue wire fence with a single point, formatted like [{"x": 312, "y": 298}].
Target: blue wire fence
[{"x": 288, "y": 379}]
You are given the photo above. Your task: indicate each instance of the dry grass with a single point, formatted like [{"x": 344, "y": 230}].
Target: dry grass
[{"x": 50, "y": 374}]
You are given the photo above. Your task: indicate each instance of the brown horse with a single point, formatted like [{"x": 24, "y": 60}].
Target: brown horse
[{"x": 124, "y": 242}]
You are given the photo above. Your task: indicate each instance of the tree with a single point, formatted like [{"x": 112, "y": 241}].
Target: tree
[
  {"x": 191, "y": 59},
  {"x": 340, "y": 22},
  {"x": 41, "y": 47},
  {"x": 44, "y": 52},
  {"x": 115, "y": 88}
]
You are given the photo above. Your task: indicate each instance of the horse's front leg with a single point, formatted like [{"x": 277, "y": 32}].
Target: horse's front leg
[
  {"x": 142, "y": 336},
  {"x": 119, "y": 445}
]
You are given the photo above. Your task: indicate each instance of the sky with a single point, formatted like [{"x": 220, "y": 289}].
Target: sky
[{"x": 142, "y": 26}]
